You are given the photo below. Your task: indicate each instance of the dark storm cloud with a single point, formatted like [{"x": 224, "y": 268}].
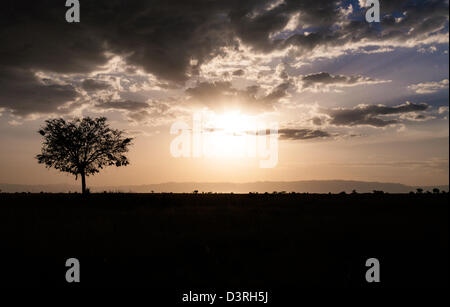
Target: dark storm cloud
[
  {"x": 255, "y": 26},
  {"x": 419, "y": 20},
  {"x": 164, "y": 37},
  {"x": 420, "y": 17},
  {"x": 221, "y": 94},
  {"x": 372, "y": 115},
  {"x": 91, "y": 85},
  {"x": 23, "y": 93},
  {"x": 35, "y": 35}
]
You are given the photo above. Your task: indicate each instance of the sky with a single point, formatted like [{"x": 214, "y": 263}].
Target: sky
[{"x": 351, "y": 99}]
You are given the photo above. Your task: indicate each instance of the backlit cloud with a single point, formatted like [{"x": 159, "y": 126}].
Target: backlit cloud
[
  {"x": 222, "y": 96},
  {"x": 324, "y": 81},
  {"x": 429, "y": 87}
]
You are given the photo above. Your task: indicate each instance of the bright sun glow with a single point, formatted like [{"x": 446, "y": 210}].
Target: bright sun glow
[
  {"x": 227, "y": 134},
  {"x": 233, "y": 122}
]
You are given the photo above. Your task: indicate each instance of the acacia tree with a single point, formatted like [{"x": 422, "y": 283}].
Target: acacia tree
[{"x": 82, "y": 147}]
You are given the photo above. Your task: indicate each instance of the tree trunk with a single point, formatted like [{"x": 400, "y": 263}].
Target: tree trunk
[{"x": 83, "y": 183}]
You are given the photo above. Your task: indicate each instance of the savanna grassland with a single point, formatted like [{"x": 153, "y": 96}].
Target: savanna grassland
[{"x": 259, "y": 241}]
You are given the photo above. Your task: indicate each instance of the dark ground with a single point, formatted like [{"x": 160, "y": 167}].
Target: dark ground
[{"x": 187, "y": 241}]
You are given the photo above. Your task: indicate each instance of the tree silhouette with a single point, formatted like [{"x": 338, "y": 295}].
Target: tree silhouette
[{"x": 82, "y": 146}]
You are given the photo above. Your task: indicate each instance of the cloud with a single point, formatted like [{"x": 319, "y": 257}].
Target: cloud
[
  {"x": 222, "y": 95},
  {"x": 317, "y": 121},
  {"x": 292, "y": 134},
  {"x": 172, "y": 39},
  {"x": 429, "y": 87},
  {"x": 302, "y": 134},
  {"x": 375, "y": 50},
  {"x": 91, "y": 85},
  {"x": 23, "y": 93},
  {"x": 431, "y": 49},
  {"x": 371, "y": 115},
  {"x": 239, "y": 73},
  {"x": 416, "y": 117},
  {"x": 142, "y": 113},
  {"x": 123, "y": 105},
  {"x": 156, "y": 113},
  {"x": 443, "y": 109},
  {"x": 323, "y": 81}
]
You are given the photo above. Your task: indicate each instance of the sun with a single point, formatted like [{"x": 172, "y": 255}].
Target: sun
[
  {"x": 227, "y": 135},
  {"x": 233, "y": 122}
]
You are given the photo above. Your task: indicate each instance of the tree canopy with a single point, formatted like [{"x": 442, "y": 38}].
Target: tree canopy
[{"x": 82, "y": 146}]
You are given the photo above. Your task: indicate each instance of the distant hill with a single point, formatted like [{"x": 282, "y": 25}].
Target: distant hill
[{"x": 315, "y": 186}]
